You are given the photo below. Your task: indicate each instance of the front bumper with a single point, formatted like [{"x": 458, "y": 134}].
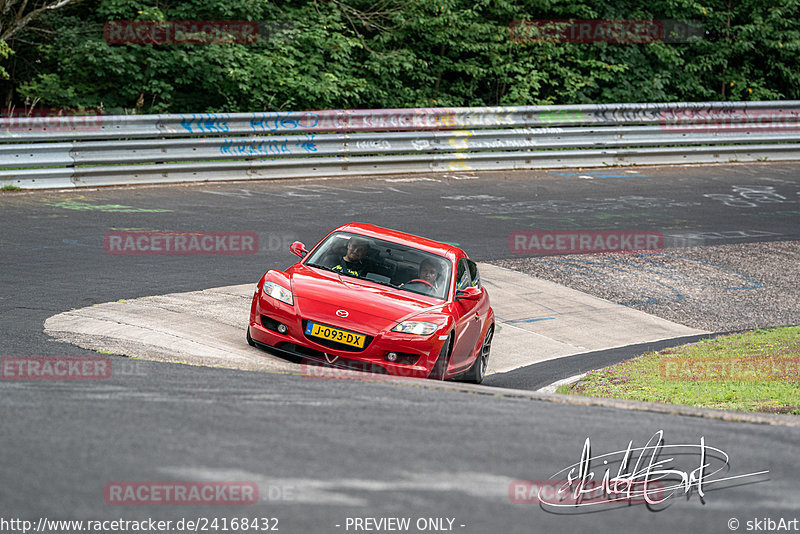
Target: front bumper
[{"x": 266, "y": 314}]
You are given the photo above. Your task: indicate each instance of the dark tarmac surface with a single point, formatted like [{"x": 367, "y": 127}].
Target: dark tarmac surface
[{"x": 346, "y": 449}]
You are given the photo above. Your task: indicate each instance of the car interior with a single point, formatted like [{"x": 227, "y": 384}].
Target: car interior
[{"x": 386, "y": 263}]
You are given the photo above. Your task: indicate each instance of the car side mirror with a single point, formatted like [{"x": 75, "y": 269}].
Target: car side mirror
[
  {"x": 298, "y": 249},
  {"x": 470, "y": 293}
]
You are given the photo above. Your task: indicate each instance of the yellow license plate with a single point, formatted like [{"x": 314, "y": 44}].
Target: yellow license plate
[{"x": 335, "y": 334}]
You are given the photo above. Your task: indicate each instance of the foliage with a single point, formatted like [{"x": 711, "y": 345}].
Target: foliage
[
  {"x": 5, "y": 52},
  {"x": 401, "y": 53}
]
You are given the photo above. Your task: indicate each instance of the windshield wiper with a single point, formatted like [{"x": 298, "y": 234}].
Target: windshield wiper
[
  {"x": 318, "y": 266},
  {"x": 340, "y": 273},
  {"x": 387, "y": 284}
]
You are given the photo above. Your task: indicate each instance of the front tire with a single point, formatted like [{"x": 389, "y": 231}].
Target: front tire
[
  {"x": 250, "y": 339},
  {"x": 477, "y": 372},
  {"x": 440, "y": 367}
]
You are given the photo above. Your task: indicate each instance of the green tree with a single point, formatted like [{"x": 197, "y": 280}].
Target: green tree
[
  {"x": 16, "y": 15},
  {"x": 402, "y": 53}
]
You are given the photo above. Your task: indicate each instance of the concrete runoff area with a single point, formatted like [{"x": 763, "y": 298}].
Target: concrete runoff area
[{"x": 536, "y": 320}]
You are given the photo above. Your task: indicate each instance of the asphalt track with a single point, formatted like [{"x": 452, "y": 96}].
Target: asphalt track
[{"x": 336, "y": 449}]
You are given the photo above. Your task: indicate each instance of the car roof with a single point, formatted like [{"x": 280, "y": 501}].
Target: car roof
[{"x": 395, "y": 236}]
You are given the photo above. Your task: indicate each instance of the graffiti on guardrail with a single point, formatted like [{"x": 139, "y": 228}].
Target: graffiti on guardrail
[
  {"x": 453, "y": 130},
  {"x": 379, "y": 120},
  {"x": 241, "y": 147},
  {"x": 376, "y": 144},
  {"x": 213, "y": 123},
  {"x": 460, "y": 141},
  {"x": 420, "y": 144},
  {"x": 271, "y": 122},
  {"x": 307, "y": 143},
  {"x": 267, "y": 146},
  {"x": 562, "y": 117},
  {"x": 469, "y": 140},
  {"x": 663, "y": 114}
]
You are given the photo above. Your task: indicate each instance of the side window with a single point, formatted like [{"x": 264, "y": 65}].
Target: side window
[
  {"x": 463, "y": 274},
  {"x": 473, "y": 272}
]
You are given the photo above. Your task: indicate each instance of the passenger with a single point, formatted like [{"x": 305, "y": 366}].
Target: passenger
[{"x": 352, "y": 262}]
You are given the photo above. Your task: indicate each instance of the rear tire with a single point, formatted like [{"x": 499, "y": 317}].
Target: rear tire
[
  {"x": 477, "y": 372},
  {"x": 440, "y": 367}
]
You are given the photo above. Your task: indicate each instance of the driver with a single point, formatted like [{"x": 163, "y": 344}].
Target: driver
[
  {"x": 428, "y": 277},
  {"x": 429, "y": 271},
  {"x": 352, "y": 262}
]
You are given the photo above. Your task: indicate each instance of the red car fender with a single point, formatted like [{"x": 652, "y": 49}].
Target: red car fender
[
  {"x": 273, "y": 275},
  {"x": 447, "y": 330},
  {"x": 279, "y": 277},
  {"x": 428, "y": 314}
]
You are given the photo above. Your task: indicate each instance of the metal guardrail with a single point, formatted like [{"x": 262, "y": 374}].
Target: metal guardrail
[{"x": 90, "y": 150}]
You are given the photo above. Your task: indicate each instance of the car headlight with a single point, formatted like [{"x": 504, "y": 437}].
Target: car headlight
[
  {"x": 278, "y": 292},
  {"x": 421, "y": 328}
]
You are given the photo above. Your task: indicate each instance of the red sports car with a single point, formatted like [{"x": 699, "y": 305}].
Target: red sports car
[{"x": 378, "y": 300}]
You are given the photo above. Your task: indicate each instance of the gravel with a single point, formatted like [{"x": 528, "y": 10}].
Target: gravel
[{"x": 717, "y": 288}]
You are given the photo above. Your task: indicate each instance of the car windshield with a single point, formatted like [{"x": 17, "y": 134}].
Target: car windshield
[{"x": 399, "y": 266}]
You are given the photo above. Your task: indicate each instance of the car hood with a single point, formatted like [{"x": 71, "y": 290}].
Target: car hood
[{"x": 370, "y": 307}]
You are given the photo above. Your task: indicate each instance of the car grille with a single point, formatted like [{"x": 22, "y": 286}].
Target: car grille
[
  {"x": 319, "y": 356},
  {"x": 333, "y": 344}
]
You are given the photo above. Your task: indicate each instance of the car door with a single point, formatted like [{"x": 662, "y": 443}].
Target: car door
[{"x": 468, "y": 321}]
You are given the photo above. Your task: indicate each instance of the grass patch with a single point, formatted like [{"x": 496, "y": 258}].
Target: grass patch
[
  {"x": 754, "y": 371},
  {"x": 10, "y": 187}
]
